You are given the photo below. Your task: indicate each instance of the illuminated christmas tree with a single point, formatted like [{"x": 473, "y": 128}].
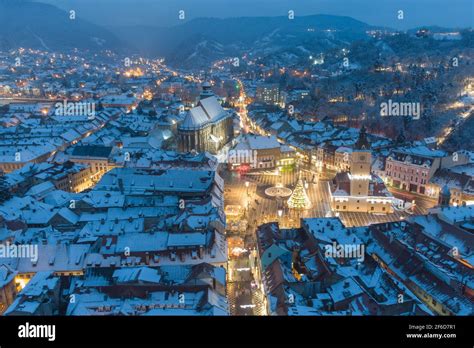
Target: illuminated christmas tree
[{"x": 299, "y": 199}]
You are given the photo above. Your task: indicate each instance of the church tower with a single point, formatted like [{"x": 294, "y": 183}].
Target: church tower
[
  {"x": 206, "y": 91},
  {"x": 360, "y": 166}
]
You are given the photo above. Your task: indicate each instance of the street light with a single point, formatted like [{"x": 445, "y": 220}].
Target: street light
[{"x": 280, "y": 213}]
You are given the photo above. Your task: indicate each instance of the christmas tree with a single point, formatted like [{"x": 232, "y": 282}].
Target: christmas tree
[{"x": 299, "y": 199}]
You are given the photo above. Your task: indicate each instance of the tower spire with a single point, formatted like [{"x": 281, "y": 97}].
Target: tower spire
[
  {"x": 362, "y": 143},
  {"x": 206, "y": 90}
]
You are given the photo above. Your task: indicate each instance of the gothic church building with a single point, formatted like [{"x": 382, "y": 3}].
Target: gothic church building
[{"x": 206, "y": 127}]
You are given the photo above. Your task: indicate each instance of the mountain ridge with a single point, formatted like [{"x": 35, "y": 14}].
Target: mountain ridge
[{"x": 37, "y": 25}]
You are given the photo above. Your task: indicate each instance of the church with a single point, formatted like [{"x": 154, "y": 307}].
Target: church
[
  {"x": 206, "y": 127},
  {"x": 359, "y": 190}
]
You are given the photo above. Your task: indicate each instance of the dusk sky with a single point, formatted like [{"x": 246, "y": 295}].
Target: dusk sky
[{"x": 448, "y": 13}]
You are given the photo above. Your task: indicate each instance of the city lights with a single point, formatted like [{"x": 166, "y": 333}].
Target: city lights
[{"x": 236, "y": 159}]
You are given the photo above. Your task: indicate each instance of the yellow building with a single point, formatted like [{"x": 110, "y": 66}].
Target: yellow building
[
  {"x": 358, "y": 190},
  {"x": 8, "y": 288}
]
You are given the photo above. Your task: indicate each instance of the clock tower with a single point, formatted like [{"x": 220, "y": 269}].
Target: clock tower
[{"x": 360, "y": 166}]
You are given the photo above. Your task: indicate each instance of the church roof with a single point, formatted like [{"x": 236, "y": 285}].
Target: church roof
[
  {"x": 212, "y": 107},
  {"x": 207, "y": 110},
  {"x": 195, "y": 118}
]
